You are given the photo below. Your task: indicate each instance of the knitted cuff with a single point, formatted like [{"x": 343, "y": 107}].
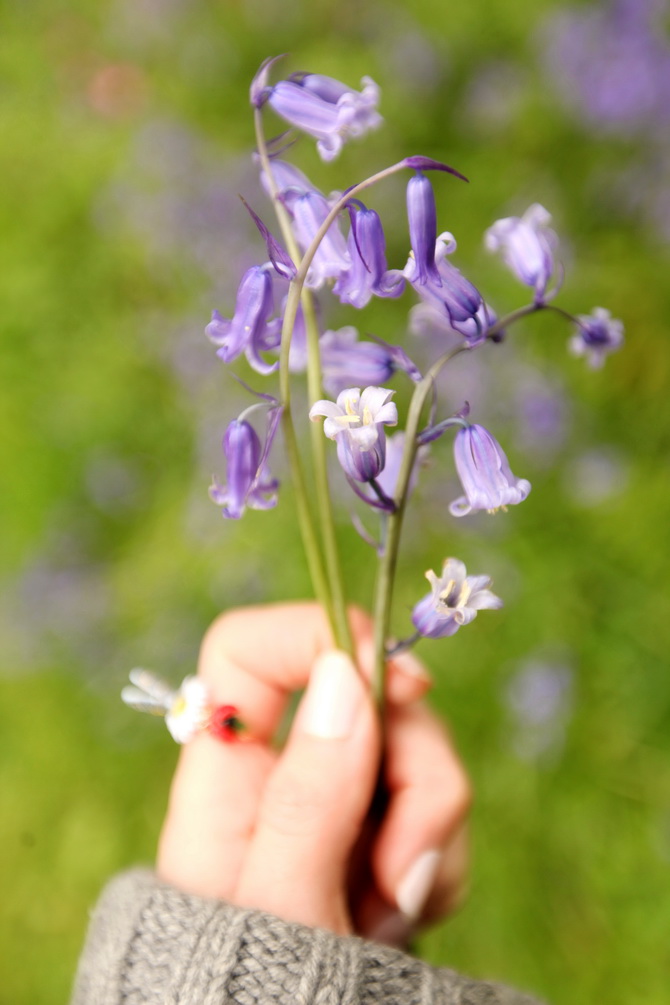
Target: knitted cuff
[{"x": 148, "y": 943}]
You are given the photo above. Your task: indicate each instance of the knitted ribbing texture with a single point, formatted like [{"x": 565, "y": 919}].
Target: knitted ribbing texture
[{"x": 149, "y": 944}]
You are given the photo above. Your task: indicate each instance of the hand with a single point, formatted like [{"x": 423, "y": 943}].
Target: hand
[{"x": 285, "y": 831}]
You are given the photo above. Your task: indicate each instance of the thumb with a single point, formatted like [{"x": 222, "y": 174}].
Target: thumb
[{"x": 315, "y": 801}]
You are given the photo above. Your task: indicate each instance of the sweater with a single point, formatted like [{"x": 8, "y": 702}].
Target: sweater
[{"x": 149, "y": 943}]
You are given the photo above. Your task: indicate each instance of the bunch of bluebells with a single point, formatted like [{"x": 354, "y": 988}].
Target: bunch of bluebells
[{"x": 334, "y": 246}]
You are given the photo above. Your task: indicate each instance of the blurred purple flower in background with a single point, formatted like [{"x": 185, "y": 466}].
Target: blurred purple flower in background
[
  {"x": 173, "y": 192},
  {"x": 611, "y": 63},
  {"x": 538, "y": 699},
  {"x": 527, "y": 246},
  {"x": 322, "y": 107},
  {"x": 597, "y": 335},
  {"x": 454, "y": 601},
  {"x": 596, "y": 476},
  {"x": 541, "y": 411},
  {"x": 346, "y": 362}
]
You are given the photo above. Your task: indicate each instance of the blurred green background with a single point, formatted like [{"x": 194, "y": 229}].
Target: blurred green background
[{"x": 126, "y": 137}]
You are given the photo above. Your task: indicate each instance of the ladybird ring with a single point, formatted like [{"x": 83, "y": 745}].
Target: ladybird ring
[{"x": 188, "y": 710}]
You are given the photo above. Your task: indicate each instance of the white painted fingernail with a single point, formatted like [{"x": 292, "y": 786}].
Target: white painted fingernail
[
  {"x": 333, "y": 697},
  {"x": 414, "y": 888}
]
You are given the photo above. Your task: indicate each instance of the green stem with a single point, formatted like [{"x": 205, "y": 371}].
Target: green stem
[
  {"x": 305, "y": 518},
  {"x": 517, "y": 315},
  {"x": 389, "y": 559},
  {"x": 331, "y": 592},
  {"x": 340, "y": 624}
]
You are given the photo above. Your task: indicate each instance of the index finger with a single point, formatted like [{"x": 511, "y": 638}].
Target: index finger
[{"x": 255, "y": 657}]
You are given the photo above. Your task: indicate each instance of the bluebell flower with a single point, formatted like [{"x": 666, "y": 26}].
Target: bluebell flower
[
  {"x": 448, "y": 291},
  {"x": 527, "y": 245},
  {"x": 368, "y": 272},
  {"x": 597, "y": 335},
  {"x": 345, "y": 361},
  {"x": 431, "y": 321},
  {"x": 422, "y": 218},
  {"x": 356, "y": 422},
  {"x": 309, "y": 210},
  {"x": 249, "y": 483},
  {"x": 485, "y": 473},
  {"x": 252, "y": 329},
  {"x": 454, "y": 601},
  {"x": 324, "y": 108}
]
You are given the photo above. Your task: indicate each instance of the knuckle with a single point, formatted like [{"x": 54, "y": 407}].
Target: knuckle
[
  {"x": 218, "y": 630},
  {"x": 293, "y": 805},
  {"x": 450, "y": 796}
]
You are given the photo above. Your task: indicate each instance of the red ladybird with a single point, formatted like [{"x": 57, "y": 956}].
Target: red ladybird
[{"x": 225, "y": 724}]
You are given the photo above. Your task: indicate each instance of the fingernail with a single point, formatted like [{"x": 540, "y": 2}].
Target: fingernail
[
  {"x": 414, "y": 888},
  {"x": 333, "y": 697}
]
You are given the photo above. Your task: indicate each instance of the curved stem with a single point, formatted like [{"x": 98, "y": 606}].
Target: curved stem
[
  {"x": 388, "y": 561},
  {"x": 517, "y": 315},
  {"x": 526, "y": 311},
  {"x": 337, "y": 209}
]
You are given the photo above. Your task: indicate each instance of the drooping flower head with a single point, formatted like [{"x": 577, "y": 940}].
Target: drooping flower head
[
  {"x": 434, "y": 278},
  {"x": 485, "y": 473},
  {"x": 368, "y": 273},
  {"x": 252, "y": 329},
  {"x": 454, "y": 601},
  {"x": 356, "y": 422},
  {"x": 422, "y": 219},
  {"x": 597, "y": 335},
  {"x": 309, "y": 209},
  {"x": 346, "y": 361},
  {"x": 527, "y": 245},
  {"x": 249, "y": 483},
  {"x": 320, "y": 106},
  {"x": 452, "y": 295}
]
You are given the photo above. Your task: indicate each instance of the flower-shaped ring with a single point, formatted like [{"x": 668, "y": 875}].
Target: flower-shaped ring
[{"x": 188, "y": 710}]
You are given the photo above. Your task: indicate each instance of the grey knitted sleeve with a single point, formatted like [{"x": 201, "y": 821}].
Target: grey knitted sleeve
[{"x": 148, "y": 943}]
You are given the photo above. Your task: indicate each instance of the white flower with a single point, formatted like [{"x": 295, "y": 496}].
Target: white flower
[
  {"x": 356, "y": 422},
  {"x": 186, "y": 710},
  {"x": 190, "y": 710}
]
